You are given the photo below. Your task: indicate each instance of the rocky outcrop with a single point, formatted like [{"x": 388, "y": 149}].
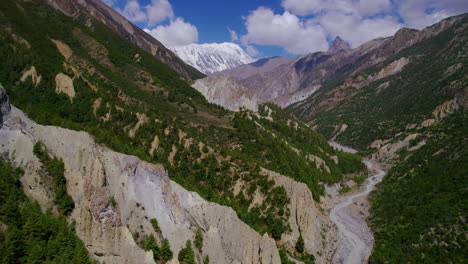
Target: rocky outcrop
[
  {"x": 64, "y": 84},
  {"x": 35, "y": 78},
  {"x": 142, "y": 191},
  {"x": 225, "y": 91},
  {"x": 337, "y": 45},
  {"x": 305, "y": 217}
]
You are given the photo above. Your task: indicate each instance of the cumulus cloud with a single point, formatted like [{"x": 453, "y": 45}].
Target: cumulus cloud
[
  {"x": 177, "y": 33},
  {"x": 286, "y": 30},
  {"x": 109, "y": 2},
  {"x": 151, "y": 14},
  {"x": 372, "y": 7},
  {"x": 421, "y": 13},
  {"x": 233, "y": 35},
  {"x": 251, "y": 50},
  {"x": 357, "y": 30},
  {"x": 159, "y": 10},
  {"x": 133, "y": 12},
  {"x": 306, "y": 24}
]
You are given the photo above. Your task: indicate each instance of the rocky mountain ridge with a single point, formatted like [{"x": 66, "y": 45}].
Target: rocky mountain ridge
[
  {"x": 301, "y": 78},
  {"x": 212, "y": 57},
  {"x": 337, "y": 45},
  {"x": 63, "y": 73},
  {"x": 142, "y": 191},
  {"x": 98, "y": 10}
]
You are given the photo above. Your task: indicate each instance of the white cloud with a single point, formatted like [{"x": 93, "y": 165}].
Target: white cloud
[
  {"x": 177, "y": 33},
  {"x": 286, "y": 30},
  {"x": 133, "y": 12},
  {"x": 109, "y": 2},
  {"x": 233, "y": 35},
  {"x": 372, "y": 7},
  {"x": 302, "y": 7},
  {"x": 155, "y": 12},
  {"x": 415, "y": 14},
  {"x": 252, "y": 51},
  {"x": 357, "y": 30},
  {"x": 159, "y": 10}
]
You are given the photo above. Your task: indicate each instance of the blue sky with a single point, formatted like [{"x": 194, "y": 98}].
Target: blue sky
[{"x": 281, "y": 27}]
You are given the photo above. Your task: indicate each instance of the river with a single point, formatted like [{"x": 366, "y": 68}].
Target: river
[{"x": 355, "y": 239}]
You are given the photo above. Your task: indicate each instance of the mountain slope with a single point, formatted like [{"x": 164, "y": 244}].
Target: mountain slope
[
  {"x": 408, "y": 111},
  {"x": 63, "y": 73},
  {"x": 99, "y": 11},
  {"x": 423, "y": 70},
  {"x": 420, "y": 212},
  {"x": 212, "y": 57}
]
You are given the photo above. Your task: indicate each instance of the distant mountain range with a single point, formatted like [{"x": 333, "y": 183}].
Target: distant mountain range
[{"x": 213, "y": 57}]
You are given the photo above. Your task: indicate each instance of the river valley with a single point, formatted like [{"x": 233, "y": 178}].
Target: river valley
[{"x": 355, "y": 239}]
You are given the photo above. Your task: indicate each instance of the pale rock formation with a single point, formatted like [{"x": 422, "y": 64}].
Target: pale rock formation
[
  {"x": 305, "y": 217},
  {"x": 35, "y": 78},
  {"x": 225, "y": 91},
  {"x": 142, "y": 119},
  {"x": 63, "y": 48},
  {"x": 64, "y": 84},
  {"x": 391, "y": 69},
  {"x": 95, "y": 173}
]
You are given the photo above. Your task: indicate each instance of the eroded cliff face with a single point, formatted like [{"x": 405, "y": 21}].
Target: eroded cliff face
[
  {"x": 305, "y": 218},
  {"x": 142, "y": 191},
  {"x": 225, "y": 91}
]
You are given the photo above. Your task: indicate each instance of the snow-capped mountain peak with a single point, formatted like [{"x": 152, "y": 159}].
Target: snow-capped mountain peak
[{"x": 213, "y": 57}]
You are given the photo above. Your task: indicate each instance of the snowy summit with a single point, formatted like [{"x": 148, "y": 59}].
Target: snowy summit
[{"x": 213, "y": 57}]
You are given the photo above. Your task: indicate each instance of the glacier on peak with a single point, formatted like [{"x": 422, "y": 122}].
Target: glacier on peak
[{"x": 213, "y": 57}]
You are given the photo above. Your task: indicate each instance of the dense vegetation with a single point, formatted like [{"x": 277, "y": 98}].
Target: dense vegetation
[
  {"x": 29, "y": 236},
  {"x": 205, "y": 148},
  {"x": 55, "y": 170},
  {"x": 419, "y": 215}
]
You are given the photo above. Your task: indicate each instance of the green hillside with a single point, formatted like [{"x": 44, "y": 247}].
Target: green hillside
[{"x": 137, "y": 105}]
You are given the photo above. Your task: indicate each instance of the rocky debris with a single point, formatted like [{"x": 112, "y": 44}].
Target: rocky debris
[
  {"x": 259, "y": 67},
  {"x": 63, "y": 48},
  {"x": 142, "y": 191},
  {"x": 226, "y": 91},
  {"x": 305, "y": 217},
  {"x": 35, "y": 78},
  {"x": 64, "y": 84},
  {"x": 441, "y": 112},
  {"x": 142, "y": 119},
  {"x": 338, "y": 45},
  {"x": 391, "y": 69}
]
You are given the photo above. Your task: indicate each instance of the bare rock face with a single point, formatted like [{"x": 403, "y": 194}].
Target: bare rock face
[
  {"x": 338, "y": 45},
  {"x": 142, "y": 191},
  {"x": 225, "y": 91},
  {"x": 4, "y": 104},
  {"x": 305, "y": 218}
]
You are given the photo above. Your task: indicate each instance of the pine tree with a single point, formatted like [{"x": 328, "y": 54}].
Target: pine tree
[
  {"x": 166, "y": 252},
  {"x": 198, "y": 240},
  {"x": 186, "y": 255},
  {"x": 300, "y": 244}
]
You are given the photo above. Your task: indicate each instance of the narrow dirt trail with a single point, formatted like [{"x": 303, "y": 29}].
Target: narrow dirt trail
[{"x": 355, "y": 239}]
